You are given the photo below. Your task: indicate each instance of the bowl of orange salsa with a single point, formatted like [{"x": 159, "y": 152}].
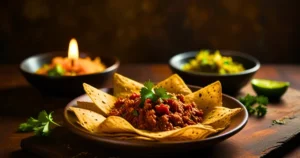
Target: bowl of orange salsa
[
  {"x": 63, "y": 66},
  {"x": 53, "y": 74}
]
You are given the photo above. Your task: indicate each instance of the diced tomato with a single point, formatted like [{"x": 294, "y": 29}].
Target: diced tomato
[
  {"x": 170, "y": 101},
  {"x": 162, "y": 109},
  {"x": 148, "y": 100},
  {"x": 134, "y": 96},
  {"x": 119, "y": 102},
  {"x": 188, "y": 107},
  {"x": 130, "y": 109},
  {"x": 180, "y": 97}
]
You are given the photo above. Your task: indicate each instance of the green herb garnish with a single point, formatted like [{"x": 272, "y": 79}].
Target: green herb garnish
[
  {"x": 249, "y": 100},
  {"x": 279, "y": 121},
  {"x": 261, "y": 110},
  {"x": 135, "y": 113},
  {"x": 282, "y": 121},
  {"x": 57, "y": 70},
  {"x": 40, "y": 126},
  {"x": 154, "y": 95}
]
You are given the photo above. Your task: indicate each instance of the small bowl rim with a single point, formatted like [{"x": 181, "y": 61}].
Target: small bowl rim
[
  {"x": 225, "y": 52},
  {"x": 114, "y": 66}
]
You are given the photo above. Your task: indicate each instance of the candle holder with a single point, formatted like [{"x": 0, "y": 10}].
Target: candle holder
[{"x": 66, "y": 86}]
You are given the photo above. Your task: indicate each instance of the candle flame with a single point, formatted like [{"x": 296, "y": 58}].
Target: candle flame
[{"x": 73, "y": 49}]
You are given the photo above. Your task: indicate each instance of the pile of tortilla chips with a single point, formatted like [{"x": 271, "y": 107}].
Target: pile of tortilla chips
[{"x": 93, "y": 116}]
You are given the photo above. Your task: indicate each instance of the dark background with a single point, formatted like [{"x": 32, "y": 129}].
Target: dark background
[{"x": 150, "y": 30}]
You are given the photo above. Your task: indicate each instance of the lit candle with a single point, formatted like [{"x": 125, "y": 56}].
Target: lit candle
[
  {"x": 73, "y": 53},
  {"x": 72, "y": 65}
]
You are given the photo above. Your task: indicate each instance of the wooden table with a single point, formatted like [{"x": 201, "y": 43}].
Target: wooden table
[{"x": 19, "y": 101}]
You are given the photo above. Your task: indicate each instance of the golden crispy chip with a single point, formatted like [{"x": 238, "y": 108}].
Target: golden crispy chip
[
  {"x": 189, "y": 133},
  {"x": 88, "y": 119},
  {"x": 89, "y": 106},
  {"x": 123, "y": 86},
  {"x": 117, "y": 134},
  {"x": 174, "y": 84},
  {"x": 105, "y": 102},
  {"x": 134, "y": 138},
  {"x": 126, "y": 136},
  {"x": 207, "y": 98},
  {"x": 115, "y": 124},
  {"x": 220, "y": 117}
]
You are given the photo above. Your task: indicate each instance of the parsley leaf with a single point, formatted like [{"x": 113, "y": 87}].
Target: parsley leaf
[
  {"x": 250, "y": 109},
  {"x": 154, "y": 95},
  {"x": 249, "y": 100},
  {"x": 149, "y": 85},
  {"x": 161, "y": 92},
  {"x": 261, "y": 110},
  {"x": 40, "y": 126},
  {"x": 135, "y": 113},
  {"x": 262, "y": 100},
  {"x": 43, "y": 116},
  {"x": 146, "y": 94}
]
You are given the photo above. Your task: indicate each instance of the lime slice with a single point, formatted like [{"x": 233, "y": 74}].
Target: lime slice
[{"x": 269, "y": 88}]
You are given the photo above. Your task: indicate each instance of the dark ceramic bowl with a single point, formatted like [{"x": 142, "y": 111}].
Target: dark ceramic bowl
[
  {"x": 238, "y": 122},
  {"x": 231, "y": 83},
  {"x": 65, "y": 86}
]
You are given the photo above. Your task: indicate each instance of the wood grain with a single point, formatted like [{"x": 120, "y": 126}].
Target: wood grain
[{"x": 258, "y": 138}]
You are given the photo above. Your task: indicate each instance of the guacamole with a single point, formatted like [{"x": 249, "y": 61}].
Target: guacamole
[{"x": 213, "y": 62}]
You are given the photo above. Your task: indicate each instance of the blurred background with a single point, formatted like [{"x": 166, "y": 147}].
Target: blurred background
[{"x": 139, "y": 31}]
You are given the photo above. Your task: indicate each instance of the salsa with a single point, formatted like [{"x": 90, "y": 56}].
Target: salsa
[
  {"x": 213, "y": 62},
  {"x": 60, "y": 66},
  {"x": 162, "y": 115}
]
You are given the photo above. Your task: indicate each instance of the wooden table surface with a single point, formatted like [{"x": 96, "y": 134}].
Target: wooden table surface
[{"x": 19, "y": 101}]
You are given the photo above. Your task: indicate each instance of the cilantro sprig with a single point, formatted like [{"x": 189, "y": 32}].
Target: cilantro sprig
[
  {"x": 259, "y": 110},
  {"x": 154, "y": 95},
  {"x": 40, "y": 126}
]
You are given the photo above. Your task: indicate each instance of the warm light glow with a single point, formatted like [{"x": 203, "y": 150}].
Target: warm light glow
[{"x": 73, "y": 49}]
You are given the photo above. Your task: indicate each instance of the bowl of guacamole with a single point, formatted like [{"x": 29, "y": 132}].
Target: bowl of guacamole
[
  {"x": 213, "y": 62},
  {"x": 233, "y": 69}
]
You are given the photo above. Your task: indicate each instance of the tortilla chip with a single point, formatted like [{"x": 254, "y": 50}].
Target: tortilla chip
[
  {"x": 190, "y": 133},
  {"x": 174, "y": 84},
  {"x": 115, "y": 124},
  {"x": 207, "y": 98},
  {"x": 88, "y": 119},
  {"x": 89, "y": 106},
  {"x": 220, "y": 117},
  {"x": 134, "y": 138},
  {"x": 105, "y": 102},
  {"x": 126, "y": 136},
  {"x": 124, "y": 87}
]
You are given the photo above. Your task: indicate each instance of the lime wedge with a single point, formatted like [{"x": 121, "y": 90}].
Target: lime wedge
[{"x": 269, "y": 88}]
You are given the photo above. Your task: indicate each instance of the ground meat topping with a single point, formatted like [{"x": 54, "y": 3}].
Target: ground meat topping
[{"x": 163, "y": 115}]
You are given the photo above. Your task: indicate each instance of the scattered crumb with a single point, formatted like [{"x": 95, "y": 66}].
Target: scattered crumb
[
  {"x": 81, "y": 154},
  {"x": 68, "y": 146},
  {"x": 282, "y": 121}
]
